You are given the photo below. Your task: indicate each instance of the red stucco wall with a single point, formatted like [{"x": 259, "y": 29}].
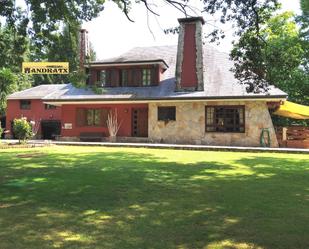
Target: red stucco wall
[
  {"x": 124, "y": 112},
  {"x": 188, "y": 74},
  {"x": 36, "y": 113},
  {"x": 67, "y": 114}
]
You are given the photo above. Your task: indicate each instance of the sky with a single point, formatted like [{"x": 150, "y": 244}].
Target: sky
[{"x": 112, "y": 33}]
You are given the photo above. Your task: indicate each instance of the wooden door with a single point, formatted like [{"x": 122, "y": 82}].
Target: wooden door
[{"x": 140, "y": 122}]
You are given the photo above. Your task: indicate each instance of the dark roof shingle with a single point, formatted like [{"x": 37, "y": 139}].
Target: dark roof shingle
[{"x": 219, "y": 81}]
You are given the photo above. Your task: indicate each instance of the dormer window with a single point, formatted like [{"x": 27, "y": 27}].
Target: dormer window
[
  {"x": 126, "y": 76},
  {"x": 146, "y": 80}
]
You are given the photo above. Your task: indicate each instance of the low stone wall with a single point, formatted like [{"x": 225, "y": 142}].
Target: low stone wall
[
  {"x": 189, "y": 127},
  {"x": 106, "y": 139},
  {"x": 68, "y": 139}
]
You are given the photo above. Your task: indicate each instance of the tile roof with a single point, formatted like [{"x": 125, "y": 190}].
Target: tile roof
[
  {"x": 37, "y": 92},
  {"x": 219, "y": 81},
  {"x": 137, "y": 54}
]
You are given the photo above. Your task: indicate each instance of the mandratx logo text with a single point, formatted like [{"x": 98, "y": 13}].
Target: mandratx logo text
[{"x": 45, "y": 67}]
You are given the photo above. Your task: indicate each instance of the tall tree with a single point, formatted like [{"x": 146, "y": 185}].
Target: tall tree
[
  {"x": 14, "y": 48},
  {"x": 276, "y": 56},
  {"x": 304, "y": 4},
  {"x": 283, "y": 59},
  {"x": 303, "y": 21},
  {"x": 280, "y": 59},
  {"x": 47, "y": 16},
  {"x": 11, "y": 82},
  {"x": 62, "y": 46},
  {"x": 248, "y": 53}
]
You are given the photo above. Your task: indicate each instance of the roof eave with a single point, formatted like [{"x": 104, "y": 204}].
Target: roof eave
[
  {"x": 125, "y": 63},
  {"x": 260, "y": 97},
  {"x": 23, "y": 98}
]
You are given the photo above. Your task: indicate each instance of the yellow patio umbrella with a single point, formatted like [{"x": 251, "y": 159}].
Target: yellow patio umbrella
[{"x": 291, "y": 110}]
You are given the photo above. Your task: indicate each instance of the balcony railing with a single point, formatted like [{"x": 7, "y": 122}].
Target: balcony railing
[{"x": 293, "y": 137}]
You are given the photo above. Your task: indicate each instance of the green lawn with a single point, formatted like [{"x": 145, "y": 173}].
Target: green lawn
[{"x": 90, "y": 197}]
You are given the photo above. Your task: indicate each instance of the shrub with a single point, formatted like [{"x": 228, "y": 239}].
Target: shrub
[
  {"x": 22, "y": 129},
  {"x": 1, "y": 131}
]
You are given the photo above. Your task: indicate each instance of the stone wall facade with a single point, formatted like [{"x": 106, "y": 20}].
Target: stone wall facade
[{"x": 189, "y": 127}]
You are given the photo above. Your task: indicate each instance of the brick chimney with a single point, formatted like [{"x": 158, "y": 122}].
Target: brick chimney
[
  {"x": 83, "y": 48},
  {"x": 189, "y": 65}
]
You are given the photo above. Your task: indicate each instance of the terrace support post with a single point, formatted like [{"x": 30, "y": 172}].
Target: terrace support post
[{"x": 284, "y": 136}]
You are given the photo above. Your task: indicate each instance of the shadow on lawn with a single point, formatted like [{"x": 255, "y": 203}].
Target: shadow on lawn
[{"x": 122, "y": 200}]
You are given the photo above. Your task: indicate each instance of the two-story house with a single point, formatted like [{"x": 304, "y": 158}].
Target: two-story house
[{"x": 170, "y": 94}]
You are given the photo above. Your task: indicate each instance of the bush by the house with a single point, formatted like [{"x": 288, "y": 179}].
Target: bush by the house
[
  {"x": 22, "y": 129},
  {"x": 1, "y": 131}
]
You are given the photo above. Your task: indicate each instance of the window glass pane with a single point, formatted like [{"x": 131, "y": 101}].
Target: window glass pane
[
  {"x": 90, "y": 114},
  {"x": 93, "y": 117},
  {"x": 103, "y": 77},
  {"x": 25, "y": 104},
  {"x": 225, "y": 119},
  {"x": 166, "y": 113},
  {"x": 146, "y": 77},
  {"x": 241, "y": 115},
  {"x": 220, "y": 121},
  {"x": 96, "y": 120},
  {"x": 50, "y": 107},
  {"x": 210, "y": 115}
]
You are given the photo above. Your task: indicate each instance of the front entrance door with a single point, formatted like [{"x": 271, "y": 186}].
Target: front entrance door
[
  {"x": 140, "y": 122},
  {"x": 50, "y": 129}
]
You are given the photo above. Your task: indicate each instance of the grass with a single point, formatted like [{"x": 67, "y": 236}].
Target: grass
[{"x": 90, "y": 197}]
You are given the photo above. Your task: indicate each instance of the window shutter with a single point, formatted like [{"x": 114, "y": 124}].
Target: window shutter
[
  {"x": 137, "y": 77},
  {"x": 130, "y": 77},
  {"x": 98, "y": 77},
  {"x": 104, "y": 116},
  {"x": 108, "y": 78},
  {"x": 88, "y": 76},
  {"x": 114, "y": 78},
  {"x": 124, "y": 77},
  {"x": 80, "y": 117},
  {"x": 154, "y": 76}
]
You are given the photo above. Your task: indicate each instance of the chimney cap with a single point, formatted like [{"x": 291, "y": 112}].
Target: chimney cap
[
  {"x": 83, "y": 30},
  {"x": 191, "y": 19}
]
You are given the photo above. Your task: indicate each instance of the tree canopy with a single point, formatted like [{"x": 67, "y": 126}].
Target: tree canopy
[
  {"x": 304, "y": 4},
  {"x": 265, "y": 52},
  {"x": 280, "y": 59},
  {"x": 277, "y": 56},
  {"x": 14, "y": 49},
  {"x": 62, "y": 46},
  {"x": 11, "y": 82}
]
